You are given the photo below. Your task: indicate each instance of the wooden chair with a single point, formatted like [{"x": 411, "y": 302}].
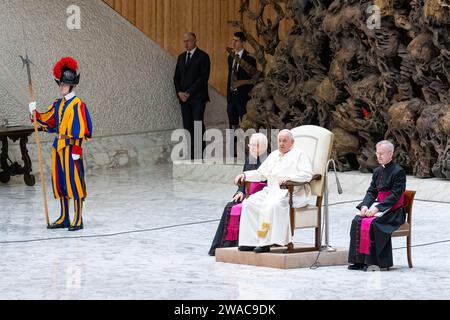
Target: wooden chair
[{"x": 405, "y": 229}]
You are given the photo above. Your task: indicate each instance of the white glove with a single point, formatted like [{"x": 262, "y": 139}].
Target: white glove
[
  {"x": 32, "y": 106},
  {"x": 75, "y": 156}
]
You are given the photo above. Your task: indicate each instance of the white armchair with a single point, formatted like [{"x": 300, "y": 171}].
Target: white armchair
[{"x": 317, "y": 143}]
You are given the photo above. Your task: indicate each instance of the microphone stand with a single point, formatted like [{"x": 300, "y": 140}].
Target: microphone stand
[{"x": 327, "y": 247}]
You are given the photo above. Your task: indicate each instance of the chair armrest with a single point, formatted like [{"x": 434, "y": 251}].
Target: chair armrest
[
  {"x": 247, "y": 188},
  {"x": 291, "y": 184},
  {"x": 247, "y": 185}
]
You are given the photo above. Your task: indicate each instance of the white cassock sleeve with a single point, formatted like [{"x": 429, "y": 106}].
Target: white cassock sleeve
[
  {"x": 304, "y": 170},
  {"x": 261, "y": 173}
]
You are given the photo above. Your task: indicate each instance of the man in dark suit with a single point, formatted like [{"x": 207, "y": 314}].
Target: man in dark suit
[
  {"x": 238, "y": 96},
  {"x": 191, "y": 84}
]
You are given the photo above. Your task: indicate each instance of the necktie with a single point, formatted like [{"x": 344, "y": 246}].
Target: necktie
[
  {"x": 188, "y": 58},
  {"x": 234, "y": 72}
]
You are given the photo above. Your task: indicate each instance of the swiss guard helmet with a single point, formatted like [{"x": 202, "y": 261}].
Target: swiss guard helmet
[{"x": 65, "y": 71}]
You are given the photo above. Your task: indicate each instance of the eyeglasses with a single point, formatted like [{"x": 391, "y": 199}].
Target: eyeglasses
[{"x": 253, "y": 145}]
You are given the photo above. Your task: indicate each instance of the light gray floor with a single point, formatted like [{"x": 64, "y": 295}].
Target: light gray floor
[{"x": 147, "y": 237}]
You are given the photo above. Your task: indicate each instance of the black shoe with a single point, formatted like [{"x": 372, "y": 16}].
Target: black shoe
[
  {"x": 71, "y": 228},
  {"x": 262, "y": 249},
  {"x": 357, "y": 266},
  {"x": 228, "y": 244},
  {"x": 245, "y": 248},
  {"x": 57, "y": 226}
]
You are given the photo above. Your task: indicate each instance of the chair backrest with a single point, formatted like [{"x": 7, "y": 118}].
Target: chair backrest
[
  {"x": 317, "y": 143},
  {"x": 409, "y": 199}
]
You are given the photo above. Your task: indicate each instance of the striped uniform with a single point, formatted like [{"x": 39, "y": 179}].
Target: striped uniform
[{"x": 71, "y": 122}]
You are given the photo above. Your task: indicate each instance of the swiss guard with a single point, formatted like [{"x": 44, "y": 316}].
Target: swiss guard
[{"x": 68, "y": 118}]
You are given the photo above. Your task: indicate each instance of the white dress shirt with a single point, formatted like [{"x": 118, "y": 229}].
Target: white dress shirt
[{"x": 191, "y": 52}]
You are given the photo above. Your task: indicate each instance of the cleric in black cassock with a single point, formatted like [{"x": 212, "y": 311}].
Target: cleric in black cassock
[
  {"x": 219, "y": 239},
  {"x": 257, "y": 148},
  {"x": 388, "y": 187}
]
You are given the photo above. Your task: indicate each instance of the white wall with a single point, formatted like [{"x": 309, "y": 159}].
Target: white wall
[{"x": 126, "y": 78}]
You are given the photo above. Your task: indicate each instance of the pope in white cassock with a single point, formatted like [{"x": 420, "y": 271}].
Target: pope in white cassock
[{"x": 265, "y": 217}]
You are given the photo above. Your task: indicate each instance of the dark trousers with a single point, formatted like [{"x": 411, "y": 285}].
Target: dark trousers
[
  {"x": 191, "y": 111},
  {"x": 236, "y": 109}
]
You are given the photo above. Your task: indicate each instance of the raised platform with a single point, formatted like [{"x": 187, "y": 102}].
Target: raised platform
[
  {"x": 280, "y": 260},
  {"x": 353, "y": 182}
]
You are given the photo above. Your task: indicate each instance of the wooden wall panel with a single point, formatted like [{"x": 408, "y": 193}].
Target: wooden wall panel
[{"x": 166, "y": 21}]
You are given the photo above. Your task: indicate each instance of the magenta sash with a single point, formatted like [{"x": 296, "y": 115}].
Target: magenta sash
[
  {"x": 382, "y": 195},
  {"x": 235, "y": 215},
  {"x": 256, "y": 187},
  {"x": 364, "y": 242}
]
